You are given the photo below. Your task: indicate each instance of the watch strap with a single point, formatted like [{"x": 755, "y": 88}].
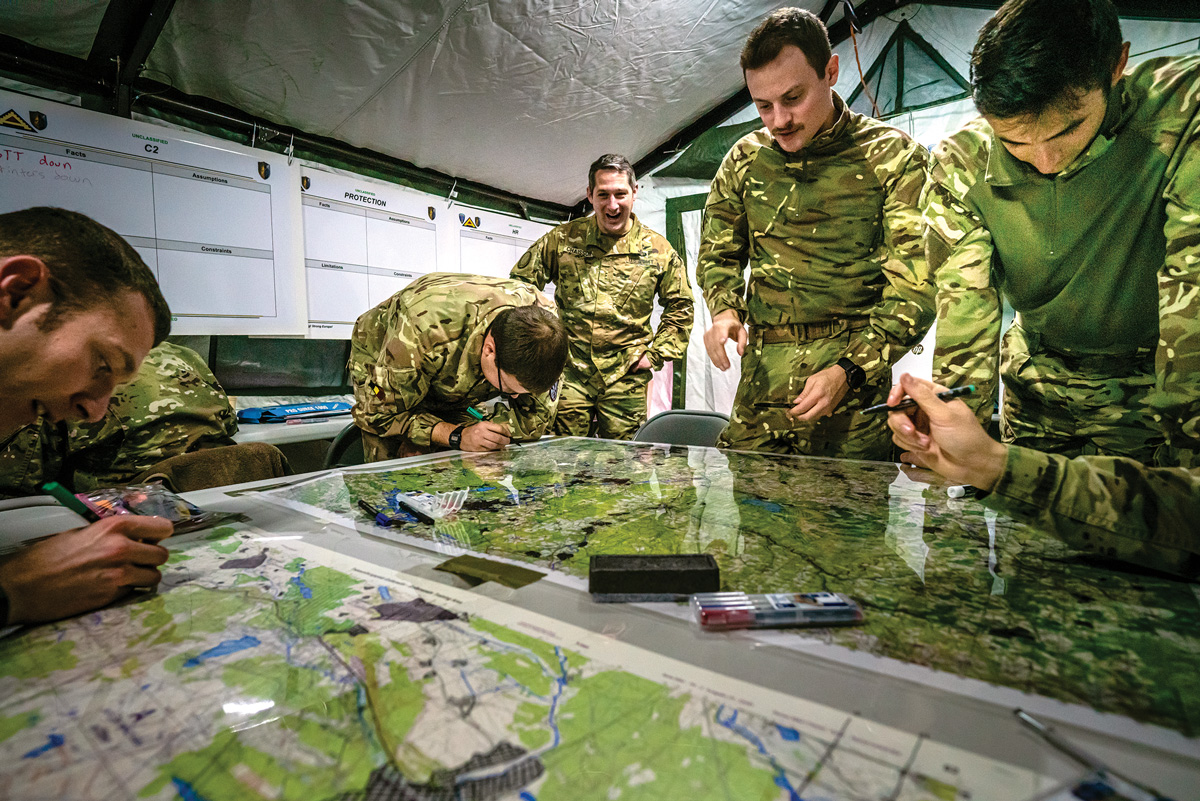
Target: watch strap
[
  {"x": 455, "y": 438},
  {"x": 855, "y": 375}
]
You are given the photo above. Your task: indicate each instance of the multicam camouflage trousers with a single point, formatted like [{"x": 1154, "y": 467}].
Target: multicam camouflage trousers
[
  {"x": 776, "y": 372},
  {"x": 1077, "y": 404},
  {"x": 617, "y": 411}
]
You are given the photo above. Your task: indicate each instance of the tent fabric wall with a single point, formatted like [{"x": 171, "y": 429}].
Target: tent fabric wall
[{"x": 952, "y": 31}]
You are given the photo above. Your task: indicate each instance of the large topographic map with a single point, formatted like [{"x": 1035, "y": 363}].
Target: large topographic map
[
  {"x": 943, "y": 582},
  {"x": 270, "y": 669}
]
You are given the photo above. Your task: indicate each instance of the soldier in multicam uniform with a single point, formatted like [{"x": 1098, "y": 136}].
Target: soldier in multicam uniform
[
  {"x": 444, "y": 343},
  {"x": 173, "y": 405},
  {"x": 79, "y": 311},
  {"x": 607, "y": 269},
  {"x": 821, "y": 203},
  {"x": 1077, "y": 199},
  {"x": 1110, "y": 505}
]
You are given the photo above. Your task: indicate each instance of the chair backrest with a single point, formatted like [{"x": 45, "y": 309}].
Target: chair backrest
[
  {"x": 218, "y": 467},
  {"x": 346, "y": 448},
  {"x": 683, "y": 427}
]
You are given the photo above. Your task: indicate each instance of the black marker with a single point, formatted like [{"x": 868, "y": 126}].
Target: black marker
[
  {"x": 774, "y": 405},
  {"x": 909, "y": 403},
  {"x": 380, "y": 517}
]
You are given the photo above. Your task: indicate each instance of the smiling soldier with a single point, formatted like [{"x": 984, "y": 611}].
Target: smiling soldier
[{"x": 607, "y": 269}]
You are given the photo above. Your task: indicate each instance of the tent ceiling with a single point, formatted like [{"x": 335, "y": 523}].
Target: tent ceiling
[
  {"x": 518, "y": 95},
  {"x": 68, "y": 27}
]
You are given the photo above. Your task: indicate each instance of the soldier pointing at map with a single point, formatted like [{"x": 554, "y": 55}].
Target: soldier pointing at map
[{"x": 445, "y": 344}]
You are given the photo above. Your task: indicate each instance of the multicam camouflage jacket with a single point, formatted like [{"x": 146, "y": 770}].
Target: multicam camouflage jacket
[
  {"x": 1102, "y": 258},
  {"x": 173, "y": 405},
  {"x": 831, "y": 232},
  {"x": 1112, "y": 506},
  {"x": 605, "y": 288},
  {"x": 414, "y": 359}
]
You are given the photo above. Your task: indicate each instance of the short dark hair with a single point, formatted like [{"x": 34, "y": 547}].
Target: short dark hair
[
  {"x": 611, "y": 161},
  {"x": 1034, "y": 54},
  {"x": 531, "y": 346},
  {"x": 788, "y": 26},
  {"x": 88, "y": 263}
]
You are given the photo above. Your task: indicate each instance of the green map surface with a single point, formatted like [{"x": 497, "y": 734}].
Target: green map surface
[
  {"x": 943, "y": 582},
  {"x": 267, "y": 669}
]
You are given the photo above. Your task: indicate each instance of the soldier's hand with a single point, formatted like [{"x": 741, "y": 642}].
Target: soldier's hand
[
  {"x": 642, "y": 364},
  {"x": 822, "y": 393},
  {"x": 725, "y": 326},
  {"x": 944, "y": 437},
  {"x": 83, "y": 569},
  {"x": 485, "y": 436}
]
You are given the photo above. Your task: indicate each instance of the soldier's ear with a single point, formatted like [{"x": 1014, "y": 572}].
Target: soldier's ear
[
  {"x": 1119, "y": 70},
  {"x": 24, "y": 283},
  {"x": 831, "y": 70}
]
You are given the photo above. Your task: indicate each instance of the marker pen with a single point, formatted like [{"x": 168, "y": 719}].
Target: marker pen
[
  {"x": 909, "y": 403},
  {"x": 67, "y": 499}
]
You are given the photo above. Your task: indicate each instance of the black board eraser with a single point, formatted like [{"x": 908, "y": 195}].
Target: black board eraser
[{"x": 658, "y": 575}]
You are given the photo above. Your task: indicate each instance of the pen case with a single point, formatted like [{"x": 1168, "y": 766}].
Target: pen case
[{"x": 718, "y": 611}]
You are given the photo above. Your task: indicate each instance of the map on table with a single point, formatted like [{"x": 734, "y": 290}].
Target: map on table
[
  {"x": 943, "y": 583},
  {"x": 267, "y": 668}
]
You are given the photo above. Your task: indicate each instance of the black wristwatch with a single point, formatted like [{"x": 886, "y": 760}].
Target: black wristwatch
[
  {"x": 455, "y": 438},
  {"x": 855, "y": 376}
]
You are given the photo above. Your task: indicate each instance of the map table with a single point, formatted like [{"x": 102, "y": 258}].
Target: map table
[{"x": 292, "y": 657}]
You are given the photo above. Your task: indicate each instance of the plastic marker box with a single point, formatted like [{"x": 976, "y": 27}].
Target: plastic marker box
[{"x": 717, "y": 611}]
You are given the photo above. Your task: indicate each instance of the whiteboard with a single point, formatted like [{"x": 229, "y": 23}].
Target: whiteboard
[
  {"x": 218, "y": 223},
  {"x": 364, "y": 241},
  {"x": 491, "y": 243}
]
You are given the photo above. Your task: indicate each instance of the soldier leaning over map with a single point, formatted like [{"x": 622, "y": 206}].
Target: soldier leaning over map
[
  {"x": 1077, "y": 199},
  {"x": 607, "y": 269},
  {"x": 447, "y": 342},
  {"x": 79, "y": 311},
  {"x": 173, "y": 405},
  {"x": 822, "y": 204}
]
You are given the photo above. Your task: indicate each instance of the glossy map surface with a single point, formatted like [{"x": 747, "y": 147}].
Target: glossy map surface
[{"x": 943, "y": 582}]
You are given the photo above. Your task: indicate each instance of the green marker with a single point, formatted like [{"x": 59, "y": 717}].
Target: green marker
[
  {"x": 64, "y": 496},
  {"x": 478, "y": 415}
]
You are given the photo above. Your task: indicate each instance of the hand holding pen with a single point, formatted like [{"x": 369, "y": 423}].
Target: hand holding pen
[
  {"x": 83, "y": 569},
  {"x": 484, "y": 435},
  {"x": 909, "y": 403},
  {"x": 943, "y": 436}
]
